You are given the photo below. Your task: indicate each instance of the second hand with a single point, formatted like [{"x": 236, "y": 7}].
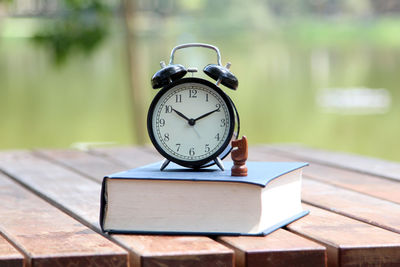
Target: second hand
[{"x": 195, "y": 130}]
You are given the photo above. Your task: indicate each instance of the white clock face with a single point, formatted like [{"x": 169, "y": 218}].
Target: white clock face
[{"x": 191, "y": 122}]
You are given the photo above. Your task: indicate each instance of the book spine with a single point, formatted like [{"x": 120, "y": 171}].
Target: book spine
[{"x": 103, "y": 203}]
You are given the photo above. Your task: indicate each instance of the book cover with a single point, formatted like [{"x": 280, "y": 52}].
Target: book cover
[{"x": 206, "y": 201}]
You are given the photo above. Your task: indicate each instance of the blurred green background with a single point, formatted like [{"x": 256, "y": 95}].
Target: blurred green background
[{"x": 321, "y": 73}]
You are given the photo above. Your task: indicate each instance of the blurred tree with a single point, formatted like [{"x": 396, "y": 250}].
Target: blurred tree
[
  {"x": 136, "y": 90},
  {"x": 80, "y": 26}
]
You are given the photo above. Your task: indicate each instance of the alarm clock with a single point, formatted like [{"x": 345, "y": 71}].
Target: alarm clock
[{"x": 192, "y": 121}]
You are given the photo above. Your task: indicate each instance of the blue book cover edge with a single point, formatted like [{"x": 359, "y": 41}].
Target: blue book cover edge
[
  {"x": 259, "y": 173},
  {"x": 262, "y": 233}
]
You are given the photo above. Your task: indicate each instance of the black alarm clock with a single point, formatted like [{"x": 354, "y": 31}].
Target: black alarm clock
[{"x": 191, "y": 121}]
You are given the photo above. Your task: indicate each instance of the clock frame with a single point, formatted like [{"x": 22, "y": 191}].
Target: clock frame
[{"x": 171, "y": 76}]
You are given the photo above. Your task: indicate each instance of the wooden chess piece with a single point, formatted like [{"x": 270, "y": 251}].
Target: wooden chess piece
[{"x": 239, "y": 156}]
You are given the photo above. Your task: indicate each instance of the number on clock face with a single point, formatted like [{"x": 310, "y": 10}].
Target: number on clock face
[{"x": 191, "y": 122}]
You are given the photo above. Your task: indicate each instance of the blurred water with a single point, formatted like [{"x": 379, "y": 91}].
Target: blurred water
[{"x": 280, "y": 79}]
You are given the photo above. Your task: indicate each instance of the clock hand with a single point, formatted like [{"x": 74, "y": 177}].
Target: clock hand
[
  {"x": 181, "y": 114},
  {"x": 197, "y": 133},
  {"x": 207, "y": 114},
  {"x": 190, "y": 121}
]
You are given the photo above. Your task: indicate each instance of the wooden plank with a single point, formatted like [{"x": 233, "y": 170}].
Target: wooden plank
[
  {"x": 349, "y": 242},
  {"x": 88, "y": 165},
  {"x": 79, "y": 196},
  {"x": 152, "y": 250},
  {"x": 360, "y": 182},
  {"x": 48, "y": 236},
  {"x": 369, "y": 165},
  {"x": 274, "y": 248},
  {"x": 130, "y": 157},
  {"x": 9, "y": 256},
  {"x": 365, "y": 208},
  {"x": 264, "y": 153},
  {"x": 70, "y": 191},
  {"x": 280, "y": 248}
]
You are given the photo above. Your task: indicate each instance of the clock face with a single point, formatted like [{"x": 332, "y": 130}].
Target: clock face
[{"x": 191, "y": 122}]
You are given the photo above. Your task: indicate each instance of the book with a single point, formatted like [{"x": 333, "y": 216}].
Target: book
[{"x": 207, "y": 201}]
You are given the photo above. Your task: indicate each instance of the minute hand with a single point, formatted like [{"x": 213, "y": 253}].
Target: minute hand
[{"x": 205, "y": 115}]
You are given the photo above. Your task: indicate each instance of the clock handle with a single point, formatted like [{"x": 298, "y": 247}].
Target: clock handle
[{"x": 171, "y": 59}]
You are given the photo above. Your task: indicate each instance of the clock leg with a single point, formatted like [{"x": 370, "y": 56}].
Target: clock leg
[
  {"x": 165, "y": 164},
  {"x": 219, "y": 163}
]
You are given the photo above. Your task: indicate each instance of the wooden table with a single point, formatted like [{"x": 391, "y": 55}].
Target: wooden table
[{"x": 49, "y": 208}]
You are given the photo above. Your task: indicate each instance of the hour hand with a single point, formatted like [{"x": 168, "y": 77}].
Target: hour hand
[{"x": 181, "y": 114}]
